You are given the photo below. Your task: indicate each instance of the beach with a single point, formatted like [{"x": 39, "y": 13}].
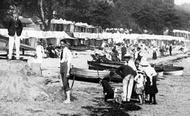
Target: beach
[{"x": 87, "y": 98}]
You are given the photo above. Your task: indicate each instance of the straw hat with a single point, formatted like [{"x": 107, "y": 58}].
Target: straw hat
[{"x": 127, "y": 55}]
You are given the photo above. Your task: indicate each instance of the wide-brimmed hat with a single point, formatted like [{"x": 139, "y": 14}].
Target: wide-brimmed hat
[{"x": 127, "y": 55}]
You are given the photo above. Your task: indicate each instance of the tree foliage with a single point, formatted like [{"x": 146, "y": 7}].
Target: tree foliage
[
  {"x": 152, "y": 15},
  {"x": 100, "y": 14}
]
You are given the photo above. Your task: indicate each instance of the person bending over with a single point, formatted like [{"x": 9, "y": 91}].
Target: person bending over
[{"x": 128, "y": 74}]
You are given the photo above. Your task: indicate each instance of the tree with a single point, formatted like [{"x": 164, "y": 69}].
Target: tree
[
  {"x": 77, "y": 10},
  {"x": 43, "y": 9},
  {"x": 153, "y": 15},
  {"x": 100, "y": 14},
  {"x": 148, "y": 17},
  {"x": 122, "y": 14}
]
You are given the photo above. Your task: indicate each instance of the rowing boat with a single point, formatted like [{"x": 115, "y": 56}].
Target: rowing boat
[
  {"x": 92, "y": 75},
  {"x": 88, "y": 75},
  {"x": 173, "y": 70},
  {"x": 103, "y": 66}
]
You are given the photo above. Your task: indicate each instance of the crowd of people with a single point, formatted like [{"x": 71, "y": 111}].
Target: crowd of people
[
  {"x": 138, "y": 76},
  {"x": 136, "y": 73}
]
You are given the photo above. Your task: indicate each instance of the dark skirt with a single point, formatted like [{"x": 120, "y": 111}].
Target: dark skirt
[{"x": 151, "y": 89}]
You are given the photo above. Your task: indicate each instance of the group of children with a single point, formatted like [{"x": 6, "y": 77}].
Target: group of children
[
  {"x": 138, "y": 77},
  {"x": 145, "y": 80}
]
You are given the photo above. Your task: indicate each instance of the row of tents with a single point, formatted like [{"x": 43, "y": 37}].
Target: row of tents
[{"x": 117, "y": 37}]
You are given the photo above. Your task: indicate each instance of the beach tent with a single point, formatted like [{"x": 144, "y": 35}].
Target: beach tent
[
  {"x": 57, "y": 35},
  {"x": 61, "y": 21},
  {"x": 80, "y": 24}
]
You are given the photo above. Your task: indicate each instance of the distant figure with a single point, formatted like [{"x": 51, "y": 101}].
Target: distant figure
[
  {"x": 123, "y": 51},
  {"x": 138, "y": 55},
  {"x": 39, "y": 52},
  {"x": 115, "y": 54},
  {"x": 65, "y": 65},
  {"x": 161, "y": 51},
  {"x": 154, "y": 55},
  {"x": 14, "y": 31},
  {"x": 170, "y": 49},
  {"x": 52, "y": 51}
]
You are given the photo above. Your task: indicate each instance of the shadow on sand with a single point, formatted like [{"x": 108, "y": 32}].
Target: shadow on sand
[{"x": 110, "y": 108}]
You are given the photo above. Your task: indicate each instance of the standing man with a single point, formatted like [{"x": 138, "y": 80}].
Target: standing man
[
  {"x": 65, "y": 65},
  {"x": 14, "y": 31}
]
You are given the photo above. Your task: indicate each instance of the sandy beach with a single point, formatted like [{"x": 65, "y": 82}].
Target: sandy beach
[{"x": 87, "y": 98}]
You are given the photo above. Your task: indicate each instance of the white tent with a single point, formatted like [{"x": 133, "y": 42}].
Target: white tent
[
  {"x": 80, "y": 24},
  {"x": 61, "y": 21},
  {"x": 55, "y": 34},
  {"x": 39, "y": 34}
]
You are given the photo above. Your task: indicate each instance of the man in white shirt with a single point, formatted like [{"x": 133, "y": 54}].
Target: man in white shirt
[{"x": 65, "y": 65}]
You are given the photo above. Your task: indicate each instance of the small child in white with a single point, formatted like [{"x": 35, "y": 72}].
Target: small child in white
[{"x": 139, "y": 87}]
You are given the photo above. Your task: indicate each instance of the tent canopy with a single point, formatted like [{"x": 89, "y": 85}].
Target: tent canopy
[
  {"x": 61, "y": 21},
  {"x": 39, "y": 34}
]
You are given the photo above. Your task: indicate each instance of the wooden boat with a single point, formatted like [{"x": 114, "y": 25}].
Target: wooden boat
[
  {"x": 91, "y": 75},
  {"x": 173, "y": 70},
  {"x": 103, "y": 66},
  {"x": 114, "y": 65},
  {"x": 159, "y": 70},
  {"x": 80, "y": 48},
  {"x": 88, "y": 75}
]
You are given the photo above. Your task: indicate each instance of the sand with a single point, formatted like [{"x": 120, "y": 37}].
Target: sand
[{"x": 87, "y": 98}]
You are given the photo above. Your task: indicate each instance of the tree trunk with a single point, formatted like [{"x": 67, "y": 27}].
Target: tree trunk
[{"x": 43, "y": 17}]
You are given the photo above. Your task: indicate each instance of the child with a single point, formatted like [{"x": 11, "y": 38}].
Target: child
[
  {"x": 150, "y": 86},
  {"x": 107, "y": 89},
  {"x": 139, "y": 87}
]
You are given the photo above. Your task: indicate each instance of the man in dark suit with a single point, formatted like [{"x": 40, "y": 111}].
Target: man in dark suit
[{"x": 14, "y": 31}]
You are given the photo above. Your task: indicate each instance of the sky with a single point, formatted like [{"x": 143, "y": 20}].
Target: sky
[{"x": 179, "y": 2}]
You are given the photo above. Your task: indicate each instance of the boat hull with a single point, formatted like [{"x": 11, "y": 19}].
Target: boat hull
[
  {"x": 173, "y": 70},
  {"x": 104, "y": 66},
  {"x": 94, "y": 76}
]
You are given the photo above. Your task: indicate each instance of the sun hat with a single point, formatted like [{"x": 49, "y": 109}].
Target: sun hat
[{"x": 127, "y": 55}]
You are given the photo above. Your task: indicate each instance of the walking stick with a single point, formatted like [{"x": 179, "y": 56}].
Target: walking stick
[{"x": 73, "y": 77}]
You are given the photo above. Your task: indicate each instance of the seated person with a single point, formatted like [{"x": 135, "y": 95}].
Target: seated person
[
  {"x": 51, "y": 51},
  {"x": 107, "y": 89}
]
